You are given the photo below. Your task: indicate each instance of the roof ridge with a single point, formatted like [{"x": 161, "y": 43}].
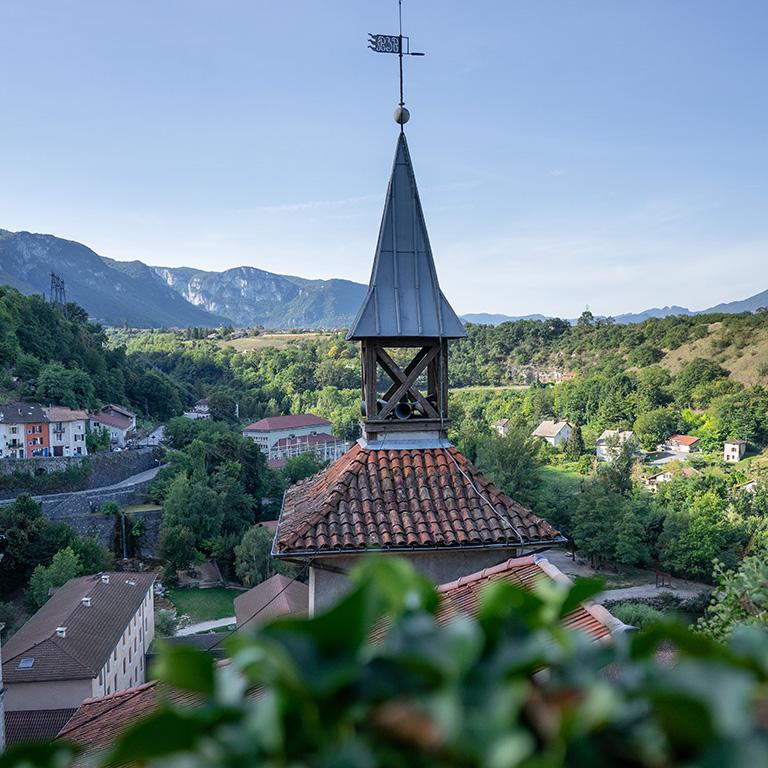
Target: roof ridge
[{"x": 493, "y": 570}]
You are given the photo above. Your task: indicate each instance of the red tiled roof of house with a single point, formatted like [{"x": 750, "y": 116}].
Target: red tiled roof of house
[
  {"x": 684, "y": 439},
  {"x": 35, "y": 724},
  {"x": 98, "y": 722},
  {"x": 277, "y": 596},
  {"x": 403, "y": 499},
  {"x": 317, "y": 439},
  {"x": 112, "y": 419},
  {"x": 294, "y": 421},
  {"x": 461, "y": 596},
  {"x": 60, "y": 413}
]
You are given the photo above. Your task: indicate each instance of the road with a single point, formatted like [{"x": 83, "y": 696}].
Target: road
[
  {"x": 206, "y": 626},
  {"x": 140, "y": 477}
]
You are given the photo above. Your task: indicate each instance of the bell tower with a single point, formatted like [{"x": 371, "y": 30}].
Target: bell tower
[{"x": 405, "y": 321}]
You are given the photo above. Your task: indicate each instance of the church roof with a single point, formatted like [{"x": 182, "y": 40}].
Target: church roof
[
  {"x": 404, "y": 499},
  {"x": 404, "y": 297}
]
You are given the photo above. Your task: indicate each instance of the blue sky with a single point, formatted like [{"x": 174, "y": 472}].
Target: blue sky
[{"x": 609, "y": 153}]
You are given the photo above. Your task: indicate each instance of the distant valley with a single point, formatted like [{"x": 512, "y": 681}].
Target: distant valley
[{"x": 133, "y": 293}]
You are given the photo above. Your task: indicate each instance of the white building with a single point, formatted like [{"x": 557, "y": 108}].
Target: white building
[
  {"x": 66, "y": 431},
  {"x": 291, "y": 432},
  {"x": 680, "y": 444},
  {"x": 502, "y": 427},
  {"x": 734, "y": 450},
  {"x": 116, "y": 424},
  {"x": 325, "y": 447},
  {"x": 611, "y": 440},
  {"x": 88, "y": 640},
  {"x": 652, "y": 482},
  {"x": 200, "y": 410},
  {"x": 554, "y": 432}
]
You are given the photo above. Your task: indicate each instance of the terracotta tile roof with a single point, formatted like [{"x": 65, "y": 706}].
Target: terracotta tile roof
[
  {"x": 112, "y": 420},
  {"x": 98, "y": 722},
  {"x": 318, "y": 439},
  {"x": 91, "y": 631},
  {"x": 461, "y": 596},
  {"x": 403, "y": 499},
  {"x": 287, "y": 422},
  {"x": 60, "y": 413},
  {"x": 35, "y": 724},
  {"x": 277, "y": 596},
  {"x": 684, "y": 439}
]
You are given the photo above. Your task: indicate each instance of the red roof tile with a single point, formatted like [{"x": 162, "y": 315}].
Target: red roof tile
[
  {"x": 461, "y": 596},
  {"x": 288, "y": 422},
  {"x": 277, "y": 596},
  {"x": 403, "y": 499},
  {"x": 684, "y": 439}
]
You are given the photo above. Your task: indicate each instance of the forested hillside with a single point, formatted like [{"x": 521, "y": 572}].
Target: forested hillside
[{"x": 61, "y": 358}]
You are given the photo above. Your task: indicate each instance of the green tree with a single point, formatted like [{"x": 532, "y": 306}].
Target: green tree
[
  {"x": 740, "y": 597},
  {"x": 176, "y": 545},
  {"x": 511, "y": 462},
  {"x": 574, "y": 445},
  {"x": 65, "y": 565},
  {"x": 253, "y": 561},
  {"x": 193, "y": 506},
  {"x": 222, "y": 407},
  {"x": 93, "y": 555},
  {"x": 655, "y": 426},
  {"x": 594, "y": 523},
  {"x": 617, "y": 473}
]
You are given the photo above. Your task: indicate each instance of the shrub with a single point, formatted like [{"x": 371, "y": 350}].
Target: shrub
[{"x": 637, "y": 614}]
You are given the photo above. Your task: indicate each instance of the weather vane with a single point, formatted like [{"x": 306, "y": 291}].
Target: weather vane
[{"x": 401, "y": 45}]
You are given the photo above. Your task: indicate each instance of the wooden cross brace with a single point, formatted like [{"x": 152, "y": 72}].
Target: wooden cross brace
[{"x": 404, "y": 381}]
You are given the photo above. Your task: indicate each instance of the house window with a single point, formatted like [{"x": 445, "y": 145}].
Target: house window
[{"x": 123, "y": 664}]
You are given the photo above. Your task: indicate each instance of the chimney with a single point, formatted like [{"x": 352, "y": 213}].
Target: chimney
[
  {"x": 86, "y": 602},
  {"x": 61, "y": 631},
  {"x": 105, "y": 578}
]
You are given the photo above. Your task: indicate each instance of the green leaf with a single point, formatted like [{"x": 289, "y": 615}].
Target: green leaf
[
  {"x": 185, "y": 668},
  {"x": 37, "y": 755}
]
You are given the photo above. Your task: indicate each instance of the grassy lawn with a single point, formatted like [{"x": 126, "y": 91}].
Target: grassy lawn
[
  {"x": 276, "y": 340},
  {"x": 204, "y": 604},
  {"x": 563, "y": 478}
]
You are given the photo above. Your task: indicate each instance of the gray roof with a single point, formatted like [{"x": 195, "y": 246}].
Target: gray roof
[
  {"x": 22, "y": 413},
  {"x": 404, "y": 297},
  {"x": 91, "y": 631}
]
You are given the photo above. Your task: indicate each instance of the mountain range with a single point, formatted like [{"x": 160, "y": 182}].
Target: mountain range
[{"x": 136, "y": 294}]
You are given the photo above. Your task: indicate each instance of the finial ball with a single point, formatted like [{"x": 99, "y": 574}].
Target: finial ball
[{"x": 402, "y": 115}]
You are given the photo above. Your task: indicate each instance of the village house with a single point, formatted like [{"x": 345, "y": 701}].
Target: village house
[
  {"x": 652, "y": 482},
  {"x": 610, "y": 441},
  {"x": 502, "y": 427},
  {"x": 277, "y": 596},
  {"x": 200, "y": 410},
  {"x": 403, "y": 489},
  {"x": 553, "y": 432},
  {"x": 680, "y": 444},
  {"x": 283, "y": 437},
  {"x": 67, "y": 431},
  {"x": 116, "y": 424},
  {"x": 23, "y": 431},
  {"x": 734, "y": 450},
  {"x": 119, "y": 410},
  {"x": 89, "y": 639}
]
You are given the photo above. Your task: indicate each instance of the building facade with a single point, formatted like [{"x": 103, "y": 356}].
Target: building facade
[
  {"x": 554, "y": 432},
  {"x": 31, "y": 430},
  {"x": 67, "y": 431},
  {"x": 88, "y": 640},
  {"x": 611, "y": 441},
  {"x": 282, "y": 437},
  {"x": 734, "y": 450}
]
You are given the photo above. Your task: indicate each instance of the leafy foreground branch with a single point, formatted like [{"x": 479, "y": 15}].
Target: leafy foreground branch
[{"x": 352, "y": 687}]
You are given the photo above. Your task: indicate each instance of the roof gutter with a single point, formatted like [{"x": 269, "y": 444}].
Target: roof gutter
[{"x": 540, "y": 546}]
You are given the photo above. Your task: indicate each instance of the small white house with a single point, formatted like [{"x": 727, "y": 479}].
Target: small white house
[
  {"x": 200, "y": 410},
  {"x": 652, "y": 482},
  {"x": 116, "y": 424},
  {"x": 502, "y": 427},
  {"x": 680, "y": 444},
  {"x": 734, "y": 450},
  {"x": 610, "y": 440},
  {"x": 554, "y": 432}
]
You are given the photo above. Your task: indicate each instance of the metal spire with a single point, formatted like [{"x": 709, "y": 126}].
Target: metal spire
[{"x": 401, "y": 45}]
